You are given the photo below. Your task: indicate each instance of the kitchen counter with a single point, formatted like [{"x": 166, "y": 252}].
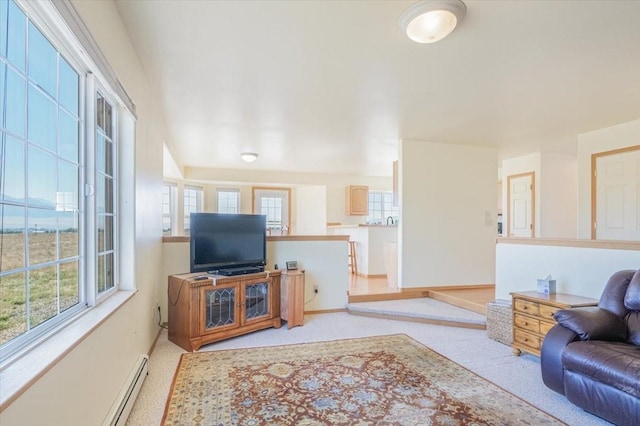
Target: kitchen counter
[{"x": 370, "y": 242}]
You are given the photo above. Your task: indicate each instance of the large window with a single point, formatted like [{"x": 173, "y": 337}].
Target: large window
[
  {"x": 192, "y": 204},
  {"x": 228, "y": 201},
  {"x": 381, "y": 208},
  {"x": 58, "y": 248}
]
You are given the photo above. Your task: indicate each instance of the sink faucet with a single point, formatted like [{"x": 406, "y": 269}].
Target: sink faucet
[{"x": 389, "y": 218}]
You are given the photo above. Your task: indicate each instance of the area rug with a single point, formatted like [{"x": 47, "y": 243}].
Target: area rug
[{"x": 382, "y": 380}]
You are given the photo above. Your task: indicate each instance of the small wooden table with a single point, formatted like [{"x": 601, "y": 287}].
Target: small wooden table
[
  {"x": 292, "y": 297},
  {"x": 533, "y": 317}
]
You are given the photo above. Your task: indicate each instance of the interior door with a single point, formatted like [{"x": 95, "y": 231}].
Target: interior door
[
  {"x": 617, "y": 196},
  {"x": 521, "y": 202}
]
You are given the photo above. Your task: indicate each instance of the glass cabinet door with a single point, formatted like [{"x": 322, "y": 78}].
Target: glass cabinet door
[
  {"x": 220, "y": 308},
  {"x": 256, "y": 300}
]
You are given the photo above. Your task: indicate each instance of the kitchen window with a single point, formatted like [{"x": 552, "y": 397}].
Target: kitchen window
[{"x": 381, "y": 208}]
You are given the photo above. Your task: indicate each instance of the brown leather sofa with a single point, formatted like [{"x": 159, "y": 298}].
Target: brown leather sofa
[{"x": 592, "y": 356}]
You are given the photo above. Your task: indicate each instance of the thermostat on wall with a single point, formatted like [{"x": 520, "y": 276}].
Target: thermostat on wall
[{"x": 292, "y": 264}]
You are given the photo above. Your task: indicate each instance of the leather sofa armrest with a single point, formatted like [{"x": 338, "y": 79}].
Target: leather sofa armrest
[
  {"x": 593, "y": 323},
  {"x": 551, "y": 356}
]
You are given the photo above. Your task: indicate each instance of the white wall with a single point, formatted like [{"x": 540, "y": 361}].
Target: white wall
[
  {"x": 577, "y": 270},
  {"x": 447, "y": 228},
  {"x": 324, "y": 262},
  {"x": 558, "y": 194},
  {"x": 310, "y": 210},
  {"x": 325, "y": 265},
  {"x": 80, "y": 389},
  {"x": 608, "y": 139}
]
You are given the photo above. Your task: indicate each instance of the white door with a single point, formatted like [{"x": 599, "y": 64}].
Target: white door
[
  {"x": 521, "y": 205},
  {"x": 618, "y": 196}
]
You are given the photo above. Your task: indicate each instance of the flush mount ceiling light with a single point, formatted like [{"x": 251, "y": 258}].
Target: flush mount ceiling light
[
  {"x": 249, "y": 157},
  {"x": 429, "y": 21}
]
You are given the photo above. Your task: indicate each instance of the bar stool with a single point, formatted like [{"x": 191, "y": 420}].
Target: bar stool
[{"x": 353, "y": 260}]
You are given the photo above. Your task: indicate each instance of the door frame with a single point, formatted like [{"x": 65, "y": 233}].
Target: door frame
[
  {"x": 533, "y": 201},
  {"x": 594, "y": 181}
]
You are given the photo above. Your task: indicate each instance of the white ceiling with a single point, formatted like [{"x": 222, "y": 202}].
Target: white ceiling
[{"x": 332, "y": 86}]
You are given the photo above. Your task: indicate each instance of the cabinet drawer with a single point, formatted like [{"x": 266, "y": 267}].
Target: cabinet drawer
[
  {"x": 546, "y": 326},
  {"x": 546, "y": 312},
  {"x": 526, "y": 339},
  {"x": 526, "y": 306},
  {"x": 527, "y": 323}
]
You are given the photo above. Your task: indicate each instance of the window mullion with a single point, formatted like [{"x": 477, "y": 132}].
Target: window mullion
[{"x": 90, "y": 190}]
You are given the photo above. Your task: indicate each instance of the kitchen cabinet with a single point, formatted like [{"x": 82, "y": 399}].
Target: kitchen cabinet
[{"x": 357, "y": 200}]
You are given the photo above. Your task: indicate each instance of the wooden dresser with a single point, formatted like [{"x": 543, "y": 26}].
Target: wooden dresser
[{"x": 533, "y": 317}]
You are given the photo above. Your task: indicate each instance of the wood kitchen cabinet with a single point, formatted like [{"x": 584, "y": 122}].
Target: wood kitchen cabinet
[
  {"x": 219, "y": 307},
  {"x": 357, "y": 200},
  {"x": 292, "y": 298},
  {"x": 533, "y": 317}
]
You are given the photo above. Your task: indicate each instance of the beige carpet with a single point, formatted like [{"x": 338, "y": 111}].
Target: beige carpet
[{"x": 375, "y": 380}]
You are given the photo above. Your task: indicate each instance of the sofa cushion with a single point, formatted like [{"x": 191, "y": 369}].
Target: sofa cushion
[
  {"x": 593, "y": 323},
  {"x": 612, "y": 363},
  {"x": 632, "y": 297},
  {"x": 612, "y": 297}
]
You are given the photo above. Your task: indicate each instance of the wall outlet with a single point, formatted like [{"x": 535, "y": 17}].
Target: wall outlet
[{"x": 315, "y": 288}]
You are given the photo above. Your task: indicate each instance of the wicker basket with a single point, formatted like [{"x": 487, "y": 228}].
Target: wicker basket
[{"x": 500, "y": 321}]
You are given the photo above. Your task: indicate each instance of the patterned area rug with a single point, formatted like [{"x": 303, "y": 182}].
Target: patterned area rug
[{"x": 382, "y": 380}]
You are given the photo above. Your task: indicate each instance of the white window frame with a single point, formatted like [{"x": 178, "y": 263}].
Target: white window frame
[
  {"x": 45, "y": 16},
  {"x": 278, "y": 217},
  {"x": 224, "y": 192},
  {"x": 386, "y": 199},
  {"x": 172, "y": 207},
  {"x": 198, "y": 191}
]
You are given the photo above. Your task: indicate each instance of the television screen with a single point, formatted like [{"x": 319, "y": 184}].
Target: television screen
[{"x": 220, "y": 241}]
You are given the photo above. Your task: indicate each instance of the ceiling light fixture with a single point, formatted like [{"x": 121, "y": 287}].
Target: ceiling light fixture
[
  {"x": 428, "y": 21},
  {"x": 249, "y": 157}
]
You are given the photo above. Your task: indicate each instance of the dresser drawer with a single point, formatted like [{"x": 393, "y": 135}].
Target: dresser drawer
[
  {"x": 546, "y": 312},
  {"x": 546, "y": 326},
  {"x": 527, "y": 339},
  {"x": 531, "y": 324},
  {"x": 526, "y": 306}
]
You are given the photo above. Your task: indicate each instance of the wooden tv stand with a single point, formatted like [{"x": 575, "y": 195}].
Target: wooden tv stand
[{"x": 219, "y": 307}]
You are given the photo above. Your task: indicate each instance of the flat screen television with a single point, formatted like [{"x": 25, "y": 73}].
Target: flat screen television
[{"x": 227, "y": 241}]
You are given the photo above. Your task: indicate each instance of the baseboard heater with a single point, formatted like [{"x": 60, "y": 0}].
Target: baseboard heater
[{"x": 127, "y": 397}]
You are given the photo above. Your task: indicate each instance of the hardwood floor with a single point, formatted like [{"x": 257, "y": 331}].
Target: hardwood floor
[
  {"x": 363, "y": 289},
  {"x": 361, "y": 285}
]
